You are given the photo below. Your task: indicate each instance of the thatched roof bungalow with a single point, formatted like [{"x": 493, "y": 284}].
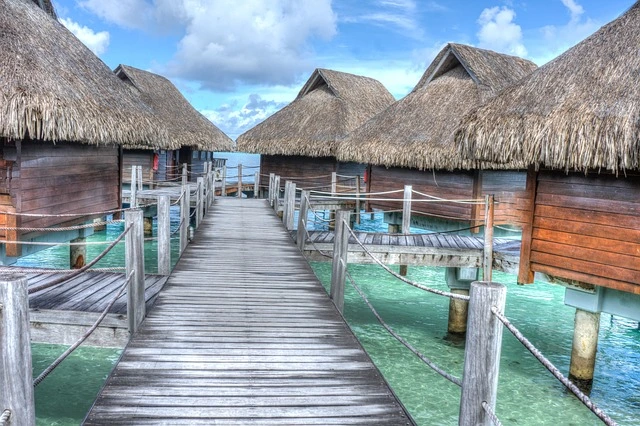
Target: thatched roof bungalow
[
  {"x": 62, "y": 115},
  {"x": 192, "y": 137},
  {"x": 411, "y": 142},
  {"x": 576, "y": 120},
  {"x": 299, "y": 141}
]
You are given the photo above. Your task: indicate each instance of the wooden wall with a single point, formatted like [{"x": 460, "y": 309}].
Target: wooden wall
[
  {"x": 509, "y": 188},
  {"x": 137, "y": 157},
  {"x": 306, "y": 172},
  {"x": 585, "y": 228}
]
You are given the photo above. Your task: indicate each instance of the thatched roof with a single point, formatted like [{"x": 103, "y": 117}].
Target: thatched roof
[
  {"x": 53, "y": 88},
  {"x": 330, "y": 105},
  {"x": 47, "y": 6},
  {"x": 417, "y": 131},
  {"x": 186, "y": 126},
  {"x": 580, "y": 111}
]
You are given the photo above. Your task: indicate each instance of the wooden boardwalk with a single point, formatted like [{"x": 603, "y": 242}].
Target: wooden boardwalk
[
  {"x": 447, "y": 250},
  {"x": 243, "y": 333}
]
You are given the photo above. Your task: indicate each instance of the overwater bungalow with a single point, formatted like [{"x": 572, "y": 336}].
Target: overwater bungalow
[
  {"x": 411, "y": 143},
  {"x": 298, "y": 142},
  {"x": 576, "y": 121},
  {"x": 192, "y": 137},
  {"x": 63, "y": 114}
]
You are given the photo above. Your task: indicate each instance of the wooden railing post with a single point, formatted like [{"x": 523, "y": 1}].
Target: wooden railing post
[
  {"x": 199, "y": 201},
  {"x": 276, "y": 199},
  {"x": 291, "y": 207},
  {"x": 212, "y": 184},
  {"x": 139, "y": 178},
  {"x": 134, "y": 260},
  {"x": 184, "y": 217},
  {"x": 256, "y": 185},
  {"x": 272, "y": 180},
  {"x": 482, "y": 353},
  {"x": 358, "y": 205},
  {"x": 334, "y": 184},
  {"x": 487, "y": 258},
  {"x": 133, "y": 191},
  {"x": 302, "y": 219},
  {"x": 340, "y": 253},
  {"x": 239, "y": 180},
  {"x": 185, "y": 174},
  {"x": 16, "y": 375},
  {"x": 223, "y": 192},
  {"x": 285, "y": 206},
  {"x": 406, "y": 209},
  {"x": 164, "y": 235}
]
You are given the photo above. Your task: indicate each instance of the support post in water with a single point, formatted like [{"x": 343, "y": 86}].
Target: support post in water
[
  {"x": 16, "y": 375},
  {"x": 301, "y": 234},
  {"x": 340, "y": 253},
  {"x": 184, "y": 217},
  {"x": 200, "y": 202},
  {"x": 487, "y": 258},
  {"x": 256, "y": 185},
  {"x": 482, "y": 353},
  {"x": 133, "y": 199},
  {"x": 164, "y": 235},
  {"x": 239, "y": 180},
  {"x": 78, "y": 253},
  {"x": 584, "y": 348},
  {"x": 134, "y": 259}
]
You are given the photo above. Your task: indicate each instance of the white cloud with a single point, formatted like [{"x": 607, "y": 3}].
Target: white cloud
[
  {"x": 498, "y": 31},
  {"x": 96, "y": 41},
  {"x": 226, "y": 42},
  {"x": 235, "y": 118},
  {"x": 399, "y": 15},
  {"x": 557, "y": 39}
]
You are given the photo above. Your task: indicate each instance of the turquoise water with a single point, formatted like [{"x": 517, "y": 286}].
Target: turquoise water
[{"x": 528, "y": 394}]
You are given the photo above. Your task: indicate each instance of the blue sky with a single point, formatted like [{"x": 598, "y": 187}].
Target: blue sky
[{"x": 239, "y": 61}]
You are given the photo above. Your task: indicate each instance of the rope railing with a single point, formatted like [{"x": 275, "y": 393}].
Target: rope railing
[
  {"x": 5, "y": 417},
  {"x": 60, "y": 228},
  {"x": 84, "y": 268},
  {"x": 422, "y": 357},
  {"x": 405, "y": 279},
  {"x": 494, "y": 419},
  {"x": 553, "y": 369},
  {"x": 42, "y": 215},
  {"x": 51, "y": 271},
  {"x": 84, "y": 337},
  {"x": 55, "y": 244}
]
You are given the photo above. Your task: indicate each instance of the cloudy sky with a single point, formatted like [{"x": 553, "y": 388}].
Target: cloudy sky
[{"x": 239, "y": 61}]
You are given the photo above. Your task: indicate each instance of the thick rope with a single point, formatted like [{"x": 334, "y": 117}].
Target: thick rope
[
  {"x": 175, "y": 231},
  {"x": 43, "y": 243},
  {"x": 553, "y": 370},
  {"x": 494, "y": 419},
  {"x": 83, "y": 269},
  {"x": 84, "y": 337},
  {"x": 5, "y": 417},
  {"x": 103, "y": 213},
  {"x": 49, "y": 271},
  {"x": 61, "y": 228},
  {"x": 406, "y": 344},
  {"x": 404, "y": 279},
  {"x": 434, "y": 198}
]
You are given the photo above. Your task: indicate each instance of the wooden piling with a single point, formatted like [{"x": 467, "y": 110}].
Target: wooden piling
[
  {"x": 184, "y": 217},
  {"x": 16, "y": 375},
  {"x": 276, "y": 188},
  {"x": 340, "y": 253},
  {"x": 212, "y": 184},
  {"x": 134, "y": 260},
  {"x": 140, "y": 183},
  {"x": 301, "y": 235},
  {"x": 584, "y": 348},
  {"x": 78, "y": 253},
  {"x": 358, "y": 205},
  {"x": 482, "y": 353},
  {"x": 272, "y": 179},
  {"x": 334, "y": 193},
  {"x": 290, "y": 206},
  {"x": 285, "y": 206},
  {"x": 487, "y": 257},
  {"x": 164, "y": 235},
  {"x": 223, "y": 191},
  {"x": 185, "y": 174}
]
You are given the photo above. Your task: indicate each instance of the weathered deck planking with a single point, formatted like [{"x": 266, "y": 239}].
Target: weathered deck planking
[
  {"x": 243, "y": 333},
  {"x": 446, "y": 250}
]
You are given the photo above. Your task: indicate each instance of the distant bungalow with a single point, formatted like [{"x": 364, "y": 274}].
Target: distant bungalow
[
  {"x": 298, "y": 142},
  {"x": 192, "y": 137},
  {"x": 411, "y": 142},
  {"x": 576, "y": 120},
  {"x": 63, "y": 114}
]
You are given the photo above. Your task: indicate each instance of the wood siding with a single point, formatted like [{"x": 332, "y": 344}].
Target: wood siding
[
  {"x": 306, "y": 172},
  {"x": 509, "y": 188},
  {"x": 64, "y": 178},
  {"x": 587, "y": 229},
  {"x": 137, "y": 157}
]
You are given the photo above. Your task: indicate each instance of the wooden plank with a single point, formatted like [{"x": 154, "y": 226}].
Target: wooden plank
[{"x": 235, "y": 341}]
